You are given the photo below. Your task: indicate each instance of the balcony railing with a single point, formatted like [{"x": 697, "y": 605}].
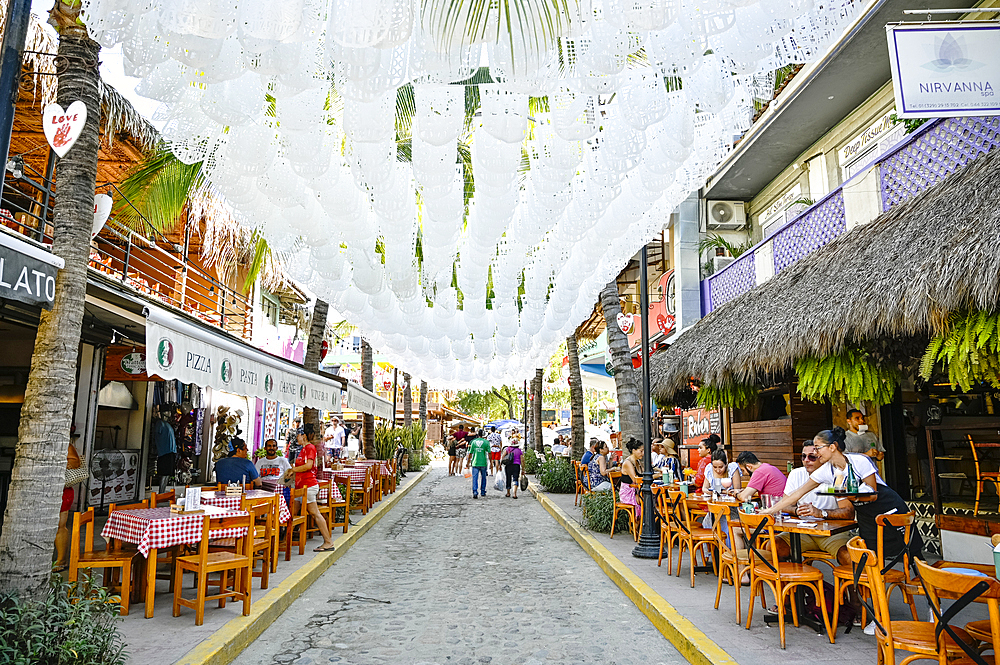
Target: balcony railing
[
  {"x": 147, "y": 263},
  {"x": 920, "y": 160}
]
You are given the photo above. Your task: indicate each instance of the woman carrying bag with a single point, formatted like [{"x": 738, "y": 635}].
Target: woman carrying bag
[{"x": 511, "y": 462}]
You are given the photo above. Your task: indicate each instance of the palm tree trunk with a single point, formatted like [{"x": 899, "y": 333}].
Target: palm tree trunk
[
  {"x": 46, "y": 416},
  {"x": 368, "y": 383},
  {"x": 317, "y": 331},
  {"x": 578, "y": 418},
  {"x": 423, "y": 404},
  {"x": 537, "y": 408},
  {"x": 629, "y": 416},
  {"x": 407, "y": 401}
]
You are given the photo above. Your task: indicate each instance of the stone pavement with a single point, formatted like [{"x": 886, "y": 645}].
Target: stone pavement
[{"x": 445, "y": 579}]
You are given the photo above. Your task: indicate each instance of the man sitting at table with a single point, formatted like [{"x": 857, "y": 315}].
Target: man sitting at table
[
  {"x": 764, "y": 478},
  {"x": 816, "y": 505},
  {"x": 237, "y": 468},
  {"x": 272, "y": 467}
]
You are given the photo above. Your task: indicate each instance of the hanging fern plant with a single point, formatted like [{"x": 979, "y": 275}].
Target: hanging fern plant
[
  {"x": 968, "y": 348},
  {"x": 848, "y": 376},
  {"x": 729, "y": 394}
]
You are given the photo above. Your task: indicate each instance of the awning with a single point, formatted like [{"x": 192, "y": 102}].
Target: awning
[
  {"x": 596, "y": 376},
  {"x": 368, "y": 402},
  {"x": 27, "y": 272},
  {"x": 177, "y": 349}
]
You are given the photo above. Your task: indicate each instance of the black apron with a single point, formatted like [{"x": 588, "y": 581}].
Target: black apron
[{"x": 892, "y": 538}]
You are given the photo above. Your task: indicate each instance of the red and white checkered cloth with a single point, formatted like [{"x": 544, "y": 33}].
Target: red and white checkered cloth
[
  {"x": 156, "y": 528},
  {"x": 384, "y": 465},
  {"x": 337, "y": 496},
  {"x": 355, "y": 473},
  {"x": 220, "y": 500}
]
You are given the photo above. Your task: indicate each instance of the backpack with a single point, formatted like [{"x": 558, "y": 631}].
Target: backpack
[{"x": 847, "y": 612}]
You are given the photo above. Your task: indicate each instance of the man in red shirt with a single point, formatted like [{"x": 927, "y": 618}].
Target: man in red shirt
[{"x": 305, "y": 476}]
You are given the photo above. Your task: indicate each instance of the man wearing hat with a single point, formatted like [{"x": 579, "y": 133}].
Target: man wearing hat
[{"x": 237, "y": 468}]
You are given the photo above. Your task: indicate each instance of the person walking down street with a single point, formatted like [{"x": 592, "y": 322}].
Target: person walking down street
[
  {"x": 513, "y": 467},
  {"x": 478, "y": 459},
  {"x": 305, "y": 476},
  {"x": 496, "y": 445},
  {"x": 452, "y": 455}
]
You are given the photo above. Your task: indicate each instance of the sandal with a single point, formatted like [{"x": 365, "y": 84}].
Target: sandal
[
  {"x": 324, "y": 549},
  {"x": 60, "y": 569}
]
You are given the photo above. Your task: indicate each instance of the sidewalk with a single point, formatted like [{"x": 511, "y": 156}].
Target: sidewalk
[
  {"x": 168, "y": 639},
  {"x": 758, "y": 646}
]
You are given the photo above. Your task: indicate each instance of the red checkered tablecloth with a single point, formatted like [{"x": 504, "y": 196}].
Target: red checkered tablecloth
[
  {"x": 156, "y": 528},
  {"x": 356, "y": 473},
  {"x": 337, "y": 496},
  {"x": 220, "y": 500}
]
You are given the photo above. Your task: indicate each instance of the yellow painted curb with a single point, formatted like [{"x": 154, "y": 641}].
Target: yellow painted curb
[
  {"x": 691, "y": 642},
  {"x": 232, "y": 638}
]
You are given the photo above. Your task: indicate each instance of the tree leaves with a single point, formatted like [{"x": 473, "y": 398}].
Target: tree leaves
[
  {"x": 848, "y": 376},
  {"x": 967, "y": 349},
  {"x": 729, "y": 394}
]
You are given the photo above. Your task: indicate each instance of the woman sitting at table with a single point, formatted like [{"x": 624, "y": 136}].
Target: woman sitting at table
[
  {"x": 632, "y": 468},
  {"x": 705, "y": 449},
  {"x": 880, "y": 499},
  {"x": 598, "y": 468},
  {"x": 722, "y": 476}
]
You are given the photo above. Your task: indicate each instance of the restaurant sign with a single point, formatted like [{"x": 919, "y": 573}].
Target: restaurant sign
[
  {"x": 697, "y": 424},
  {"x": 180, "y": 350},
  {"x": 945, "y": 69},
  {"x": 125, "y": 363},
  {"x": 27, "y": 273}
]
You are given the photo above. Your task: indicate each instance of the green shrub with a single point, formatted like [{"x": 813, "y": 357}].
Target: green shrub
[
  {"x": 530, "y": 461},
  {"x": 74, "y": 624},
  {"x": 418, "y": 460},
  {"x": 556, "y": 475},
  {"x": 598, "y": 509}
]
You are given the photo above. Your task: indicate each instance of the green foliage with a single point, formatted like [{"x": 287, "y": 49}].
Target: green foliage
[
  {"x": 418, "y": 460},
  {"x": 911, "y": 124},
  {"x": 968, "y": 349},
  {"x": 157, "y": 191},
  {"x": 386, "y": 437},
  {"x": 530, "y": 461},
  {"x": 848, "y": 376},
  {"x": 715, "y": 241},
  {"x": 556, "y": 475},
  {"x": 598, "y": 509},
  {"x": 492, "y": 404},
  {"x": 730, "y": 394},
  {"x": 74, "y": 624}
]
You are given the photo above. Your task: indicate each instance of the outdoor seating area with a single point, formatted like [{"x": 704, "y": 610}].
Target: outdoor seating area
[
  {"x": 231, "y": 544},
  {"x": 808, "y": 594}
]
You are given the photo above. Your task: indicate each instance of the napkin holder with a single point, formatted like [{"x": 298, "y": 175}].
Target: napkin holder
[
  {"x": 178, "y": 509},
  {"x": 234, "y": 489}
]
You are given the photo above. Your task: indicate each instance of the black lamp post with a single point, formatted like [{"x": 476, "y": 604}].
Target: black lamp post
[
  {"x": 11, "y": 52},
  {"x": 649, "y": 540}
]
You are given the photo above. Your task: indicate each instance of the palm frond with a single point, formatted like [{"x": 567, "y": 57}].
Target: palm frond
[{"x": 157, "y": 191}]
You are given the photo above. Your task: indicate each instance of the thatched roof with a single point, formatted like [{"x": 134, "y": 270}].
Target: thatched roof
[{"x": 898, "y": 276}]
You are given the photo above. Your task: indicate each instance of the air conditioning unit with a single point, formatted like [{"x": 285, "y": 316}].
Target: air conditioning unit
[
  {"x": 720, "y": 262},
  {"x": 726, "y": 215}
]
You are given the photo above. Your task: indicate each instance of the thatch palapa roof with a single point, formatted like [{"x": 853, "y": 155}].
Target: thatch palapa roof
[{"x": 898, "y": 276}]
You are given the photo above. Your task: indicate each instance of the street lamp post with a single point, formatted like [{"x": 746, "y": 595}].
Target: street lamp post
[
  {"x": 649, "y": 540},
  {"x": 11, "y": 53}
]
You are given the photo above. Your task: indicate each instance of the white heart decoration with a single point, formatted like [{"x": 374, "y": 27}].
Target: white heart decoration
[
  {"x": 625, "y": 322},
  {"x": 102, "y": 210},
  {"x": 62, "y": 128}
]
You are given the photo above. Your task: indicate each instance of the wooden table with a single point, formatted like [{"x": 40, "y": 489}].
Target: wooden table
[
  {"x": 153, "y": 529},
  {"x": 795, "y": 529}
]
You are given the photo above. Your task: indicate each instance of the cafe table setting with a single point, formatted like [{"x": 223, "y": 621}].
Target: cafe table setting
[{"x": 221, "y": 500}]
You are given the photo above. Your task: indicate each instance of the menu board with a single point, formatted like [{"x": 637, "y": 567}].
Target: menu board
[
  {"x": 698, "y": 424},
  {"x": 118, "y": 483}
]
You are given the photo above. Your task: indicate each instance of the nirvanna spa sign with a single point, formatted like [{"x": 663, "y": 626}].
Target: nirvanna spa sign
[{"x": 945, "y": 69}]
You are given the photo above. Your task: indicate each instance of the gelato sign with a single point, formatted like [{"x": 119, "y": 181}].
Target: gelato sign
[{"x": 945, "y": 69}]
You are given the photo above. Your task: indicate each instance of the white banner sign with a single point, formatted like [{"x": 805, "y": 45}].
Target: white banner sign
[
  {"x": 176, "y": 349},
  {"x": 360, "y": 399},
  {"x": 945, "y": 69}
]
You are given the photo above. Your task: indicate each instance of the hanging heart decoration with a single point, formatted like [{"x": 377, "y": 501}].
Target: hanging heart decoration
[
  {"x": 387, "y": 385},
  {"x": 62, "y": 128},
  {"x": 625, "y": 322},
  {"x": 102, "y": 210}
]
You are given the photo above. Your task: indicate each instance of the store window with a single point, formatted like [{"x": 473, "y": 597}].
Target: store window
[{"x": 270, "y": 306}]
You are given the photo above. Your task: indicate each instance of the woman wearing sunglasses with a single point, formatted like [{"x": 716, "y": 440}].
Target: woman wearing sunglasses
[{"x": 881, "y": 499}]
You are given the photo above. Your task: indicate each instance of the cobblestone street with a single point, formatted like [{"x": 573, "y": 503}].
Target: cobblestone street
[{"x": 445, "y": 579}]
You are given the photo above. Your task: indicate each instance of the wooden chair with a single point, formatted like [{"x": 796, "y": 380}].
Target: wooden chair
[
  {"x": 167, "y": 498},
  {"x": 108, "y": 559},
  {"x": 344, "y": 483},
  {"x": 262, "y": 512},
  {"x": 363, "y": 491},
  {"x": 620, "y": 506},
  {"x": 205, "y": 563},
  {"x": 940, "y": 582},
  {"x": 686, "y": 534},
  {"x": 582, "y": 476},
  {"x": 917, "y": 637},
  {"x": 733, "y": 563},
  {"x": 782, "y": 577},
  {"x": 983, "y": 478},
  {"x": 665, "y": 509},
  {"x": 843, "y": 576},
  {"x": 325, "y": 509},
  {"x": 299, "y": 519}
]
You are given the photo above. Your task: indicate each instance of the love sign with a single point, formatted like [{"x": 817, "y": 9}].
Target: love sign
[
  {"x": 387, "y": 384},
  {"x": 62, "y": 128},
  {"x": 625, "y": 322},
  {"x": 102, "y": 210}
]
